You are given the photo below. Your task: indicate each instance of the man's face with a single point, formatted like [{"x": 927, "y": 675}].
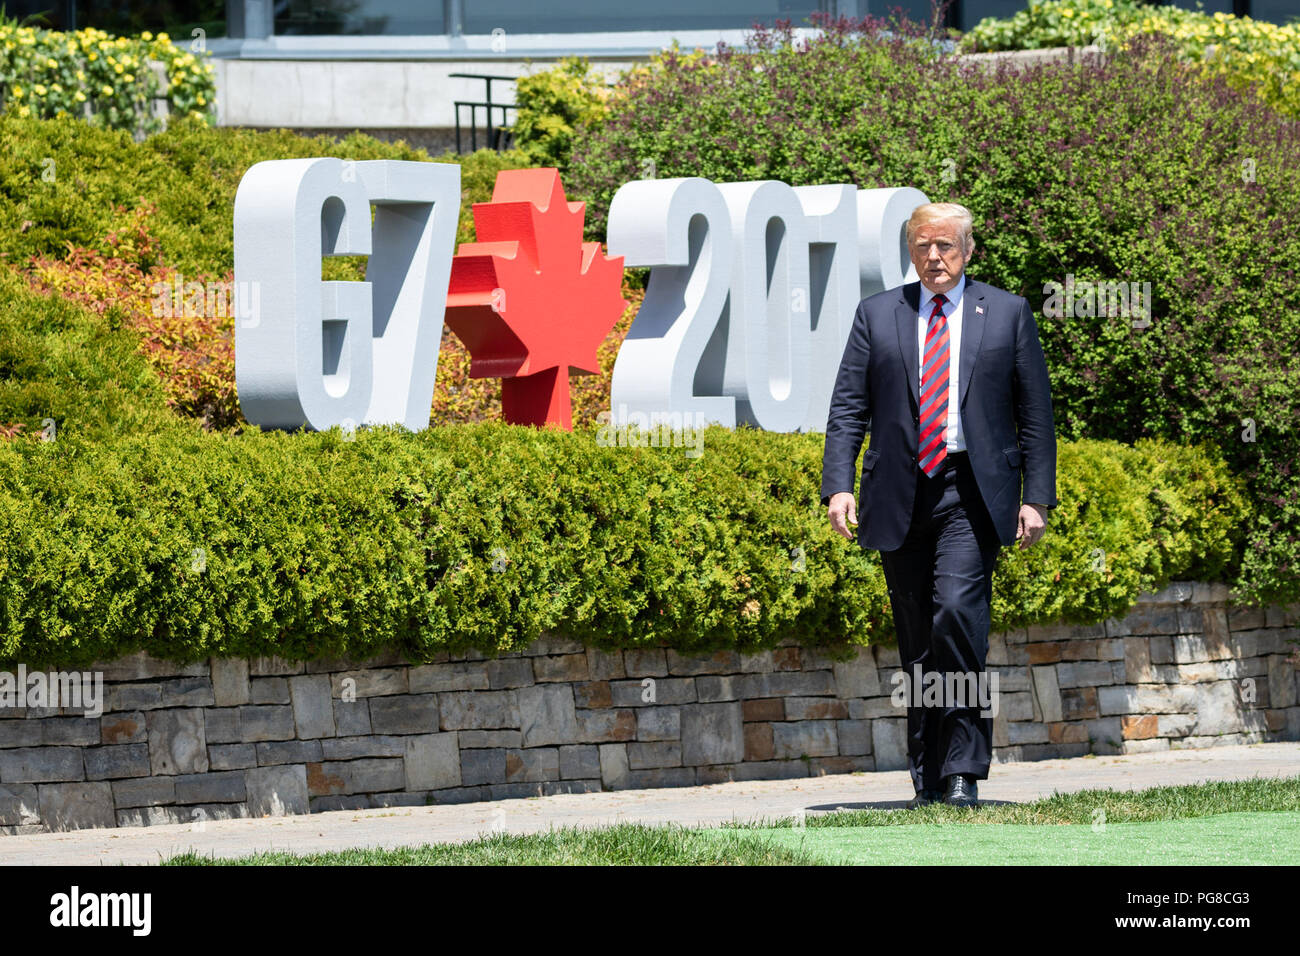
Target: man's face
[{"x": 938, "y": 255}]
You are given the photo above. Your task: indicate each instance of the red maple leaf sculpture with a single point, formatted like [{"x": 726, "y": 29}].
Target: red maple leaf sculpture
[{"x": 531, "y": 300}]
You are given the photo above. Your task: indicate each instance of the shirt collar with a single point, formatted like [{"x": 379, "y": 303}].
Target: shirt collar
[{"x": 953, "y": 295}]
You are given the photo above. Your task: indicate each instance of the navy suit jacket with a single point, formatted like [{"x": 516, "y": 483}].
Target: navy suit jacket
[{"x": 1005, "y": 406}]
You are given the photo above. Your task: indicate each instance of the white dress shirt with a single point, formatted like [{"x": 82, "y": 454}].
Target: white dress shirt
[{"x": 952, "y": 310}]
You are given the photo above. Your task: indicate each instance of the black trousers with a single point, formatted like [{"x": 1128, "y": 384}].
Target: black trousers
[{"x": 940, "y": 587}]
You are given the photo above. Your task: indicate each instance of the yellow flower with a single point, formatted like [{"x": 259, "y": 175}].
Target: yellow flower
[
  {"x": 79, "y": 96},
  {"x": 200, "y": 100},
  {"x": 146, "y": 35},
  {"x": 24, "y": 111},
  {"x": 92, "y": 56},
  {"x": 106, "y": 90},
  {"x": 52, "y": 63},
  {"x": 18, "y": 92},
  {"x": 39, "y": 89},
  {"x": 117, "y": 67}
]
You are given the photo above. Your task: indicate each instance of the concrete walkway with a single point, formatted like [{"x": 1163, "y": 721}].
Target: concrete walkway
[{"x": 689, "y": 806}]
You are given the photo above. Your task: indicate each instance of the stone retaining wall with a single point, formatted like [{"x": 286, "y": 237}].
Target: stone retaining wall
[{"x": 233, "y": 738}]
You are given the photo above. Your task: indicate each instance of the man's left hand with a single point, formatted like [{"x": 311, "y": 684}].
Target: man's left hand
[{"x": 1031, "y": 525}]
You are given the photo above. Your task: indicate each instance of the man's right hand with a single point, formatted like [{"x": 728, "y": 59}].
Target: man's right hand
[{"x": 841, "y": 509}]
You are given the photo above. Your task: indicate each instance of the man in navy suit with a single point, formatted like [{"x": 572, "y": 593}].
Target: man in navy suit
[{"x": 949, "y": 375}]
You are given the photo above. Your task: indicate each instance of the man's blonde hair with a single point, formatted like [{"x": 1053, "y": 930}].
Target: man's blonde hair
[{"x": 938, "y": 212}]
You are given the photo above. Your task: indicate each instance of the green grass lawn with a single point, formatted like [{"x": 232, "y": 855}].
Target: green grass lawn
[{"x": 1244, "y": 822}]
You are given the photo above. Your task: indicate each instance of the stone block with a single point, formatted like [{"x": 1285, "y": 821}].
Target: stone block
[
  {"x": 693, "y": 665},
  {"x": 1281, "y": 681},
  {"x": 712, "y": 733},
  {"x": 804, "y": 738},
  {"x": 889, "y": 743},
  {"x": 409, "y": 714},
  {"x": 592, "y": 694},
  {"x": 230, "y": 681},
  {"x": 123, "y": 729},
  {"x": 605, "y": 665},
  {"x": 606, "y": 726},
  {"x": 645, "y": 662},
  {"x": 857, "y": 677},
  {"x": 19, "y": 805},
  {"x": 482, "y": 767},
  {"x": 351, "y": 748},
  {"x": 452, "y": 676},
  {"x": 276, "y": 791},
  {"x": 224, "y": 787},
  {"x": 269, "y": 690},
  {"x": 1047, "y": 695},
  {"x": 614, "y": 770},
  {"x": 644, "y": 692},
  {"x": 352, "y": 717},
  {"x": 471, "y": 739},
  {"x": 186, "y": 692},
  {"x": 540, "y": 763},
  {"x": 177, "y": 742},
  {"x": 385, "y": 682},
  {"x": 432, "y": 762},
  {"x": 76, "y": 806},
  {"x": 510, "y": 673},
  {"x": 122, "y": 760},
  {"x": 854, "y": 737},
  {"x": 144, "y": 792},
  {"x": 313, "y": 708},
  {"x": 659, "y": 723},
  {"x": 274, "y": 667},
  {"x": 562, "y": 667},
  {"x": 274, "y": 752},
  {"x": 579, "y": 762},
  {"x": 485, "y": 709},
  {"x": 141, "y": 666},
  {"x": 758, "y": 741},
  {"x": 221, "y": 725},
  {"x": 232, "y": 756},
  {"x": 646, "y": 756},
  {"x": 816, "y": 708},
  {"x": 713, "y": 688},
  {"x": 265, "y": 722},
  {"x": 546, "y": 715}
]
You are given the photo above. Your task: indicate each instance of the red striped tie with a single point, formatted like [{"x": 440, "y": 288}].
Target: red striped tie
[{"x": 934, "y": 392}]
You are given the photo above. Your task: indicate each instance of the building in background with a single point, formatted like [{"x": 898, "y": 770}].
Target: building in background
[{"x": 390, "y": 67}]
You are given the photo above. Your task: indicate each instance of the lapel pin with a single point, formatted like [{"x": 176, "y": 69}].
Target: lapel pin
[{"x": 979, "y": 310}]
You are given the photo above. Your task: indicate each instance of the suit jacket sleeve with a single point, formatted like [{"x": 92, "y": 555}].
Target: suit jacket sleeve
[
  {"x": 1033, "y": 397},
  {"x": 850, "y": 412}
]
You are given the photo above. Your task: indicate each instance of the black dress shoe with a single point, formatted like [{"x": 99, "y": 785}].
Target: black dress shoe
[
  {"x": 924, "y": 798},
  {"x": 961, "y": 791}
]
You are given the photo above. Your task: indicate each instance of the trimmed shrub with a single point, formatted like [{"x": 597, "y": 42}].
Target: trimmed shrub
[{"x": 486, "y": 536}]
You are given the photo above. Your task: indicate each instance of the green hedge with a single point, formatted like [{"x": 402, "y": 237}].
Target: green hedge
[
  {"x": 190, "y": 173},
  {"x": 484, "y": 536}
]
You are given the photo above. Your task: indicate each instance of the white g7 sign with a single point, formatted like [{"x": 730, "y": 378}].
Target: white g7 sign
[
  {"x": 317, "y": 353},
  {"x": 751, "y": 295}
]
